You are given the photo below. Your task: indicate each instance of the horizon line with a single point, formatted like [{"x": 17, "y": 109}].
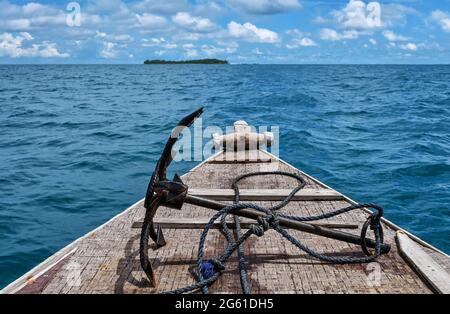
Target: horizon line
[{"x": 227, "y": 64}]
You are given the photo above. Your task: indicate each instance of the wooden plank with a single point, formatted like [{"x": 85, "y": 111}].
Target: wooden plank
[
  {"x": 267, "y": 194},
  {"x": 247, "y": 156},
  {"x": 197, "y": 223},
  {"x": 423, "y": 263}
]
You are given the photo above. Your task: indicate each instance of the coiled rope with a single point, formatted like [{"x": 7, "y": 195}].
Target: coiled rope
[{"x": 210, "y": 270}]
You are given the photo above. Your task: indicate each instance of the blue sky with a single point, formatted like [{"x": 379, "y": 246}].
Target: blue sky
[{"x": 241, "y": 31}]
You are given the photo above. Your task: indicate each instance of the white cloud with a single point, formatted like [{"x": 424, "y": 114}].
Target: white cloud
[
  {"x": 170, "y": 46},
  {"x": 49, "y": 50},
  {"x": 153, "y": 42},
  {"x": 100, "y": 34},
  {"x": 391, "y": 36},
  {"x": 123, "y": 37},
  {"x": 194, "y": 23},
  {"x": 161, "y": 6},
  {"x": 161, "y": 42},
  {"x": 108, "y": 51},
  {"x": 12, "y": 46},
  {"x": 409, "y": 46},
  {"x": 332, "y": 35},
  {"x": 359, "y": 15},
  {"x": 26, "y": 35},
  {"x": 186, "y": 36},
  {"x": 266, "y": 6},
  {"x": 256, "y": 51},
  {"x": 442, "y": 18},
  {"x": 395, "y": 14},
  {"x": 191, "y": 53},
  {"x": 299, "y": 39},
  {"x": 15, "y": 24},
  {"x": 113, "y": 38},
  {"x": 188, "y": 46},
  {"x": 29, "y": 16},
  {"x": 32, "y": 7},
  {"x": 151, "y": 21},
  {"x": 373, "y": 41},
  {"x": 212, "y": 50},
  {"x": 251, "y": 33},
  {"x": 301, "y": 42}
]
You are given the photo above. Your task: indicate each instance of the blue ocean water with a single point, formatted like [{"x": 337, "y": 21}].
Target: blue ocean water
[{"x": 78, "y": 142}]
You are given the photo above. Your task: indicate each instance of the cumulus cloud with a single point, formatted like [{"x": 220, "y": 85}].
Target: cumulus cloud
[
  {"x": 333, "y": 35},
  {"x": 409, "y": 46},
  {"x": 114, "y": 38},
  {"x": 14, "y": 47},
  {"x": 299, "y": 40},
  {"x": 29, "y": 16},
  {"x": 211, "y": 50},
  {"x": 159, "y": 42},
  {"x": 251, "y": 33},
  {"x": 442, "y": 18},
  {"x": 391, "y": 36},
  {"x": 153, "y": 42},
  {"x": 194, "y": 23},
  {"x": 109, "y": 51},
  {"x": 266, "y": 6},
  {"x": 359, "y": 15}
]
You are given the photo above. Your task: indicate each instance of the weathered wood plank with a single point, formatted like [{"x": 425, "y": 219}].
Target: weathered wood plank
[
  {"x": 247, "y": 156},
  {"x": 197, "y": 223},
  {"x": 423, "y": 263},
  {"x": 267, "y": 194}
]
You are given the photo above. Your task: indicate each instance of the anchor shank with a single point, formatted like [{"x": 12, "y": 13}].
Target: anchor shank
[{"x": 288, "y": 223}]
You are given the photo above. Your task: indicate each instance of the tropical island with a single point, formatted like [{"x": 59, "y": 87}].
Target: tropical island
[{"x": 199, "y": 61}]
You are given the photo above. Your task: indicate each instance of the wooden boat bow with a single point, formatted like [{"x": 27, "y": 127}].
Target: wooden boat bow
[{"x": 174, "y": 193}]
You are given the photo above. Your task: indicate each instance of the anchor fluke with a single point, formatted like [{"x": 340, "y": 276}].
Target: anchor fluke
[{"x": 160, "y": 241}]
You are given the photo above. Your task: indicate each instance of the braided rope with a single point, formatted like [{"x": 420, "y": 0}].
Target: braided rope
[{"x": 210, "y": 271}]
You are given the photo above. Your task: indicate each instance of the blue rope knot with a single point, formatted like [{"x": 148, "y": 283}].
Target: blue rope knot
[
  {"x": 261, "y": 227},
  {"x": 210, "y": 267},
  {"x": 272, "y": 219}
]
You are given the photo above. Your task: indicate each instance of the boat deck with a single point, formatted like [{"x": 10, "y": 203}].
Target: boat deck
[{"x": 107, "y": 259}]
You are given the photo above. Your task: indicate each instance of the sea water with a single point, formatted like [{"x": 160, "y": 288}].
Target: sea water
[{"x": 78, "y": 142}]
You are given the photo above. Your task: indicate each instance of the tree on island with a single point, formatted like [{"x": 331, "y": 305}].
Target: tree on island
[{"x": 200, "y": 61}]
